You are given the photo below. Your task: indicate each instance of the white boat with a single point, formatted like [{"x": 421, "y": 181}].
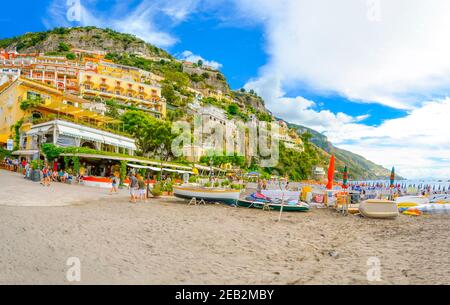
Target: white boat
[
  {"x": 411, "y": 201},
  {"x": 433, "y": 208},
  {"x": 375, "y": 208},
  {"x": 207, "y": 194},
  {"x": 440, "y": 198}
]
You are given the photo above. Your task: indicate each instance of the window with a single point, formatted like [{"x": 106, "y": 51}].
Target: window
[
  {"x": 88, "y": 87},
  {"x": 33, "y": 95}
]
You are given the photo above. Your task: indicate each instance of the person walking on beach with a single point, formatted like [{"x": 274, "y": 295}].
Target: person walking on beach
[
  {"x": 142, "y": 189},
  {"x": 45, "y": 176},
  {"x": 259, "y": 187},
  {"x": 133, "y": 188},
  {"x": 115, "y": 185}
]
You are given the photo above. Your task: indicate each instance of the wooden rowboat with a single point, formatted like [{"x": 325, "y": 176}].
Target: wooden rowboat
[
  {"x": 207, "y": 194},
  {"x": 378, "y": 209}
]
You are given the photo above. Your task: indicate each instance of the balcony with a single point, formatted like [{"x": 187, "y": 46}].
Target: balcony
[{"x": 113, "y": 95}]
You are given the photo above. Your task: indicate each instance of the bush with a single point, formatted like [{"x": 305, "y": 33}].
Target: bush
[
  {"x": 63, "y": 47},
  {"x": 193, "y": 179},
  {"x": 236, "y": 186},
  {"x": 168, "y": 187},
  {"x": 207, "y": 184},
  {"x": 216, "y": 184},
  {"x": 36, "y": 164},
  {"x": 71, "y": 56},
  {"x": 157, "y": 190}
]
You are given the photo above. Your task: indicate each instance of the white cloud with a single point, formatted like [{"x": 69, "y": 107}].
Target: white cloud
[
  {"x": 333, "y": 46},
  {"x": 417, "y": 144},
  {"x": 191, "y": 57},
  {"x": 149, "y": 20}
]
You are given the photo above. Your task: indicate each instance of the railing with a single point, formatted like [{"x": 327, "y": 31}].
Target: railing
[{"x": 49, "y": 118}]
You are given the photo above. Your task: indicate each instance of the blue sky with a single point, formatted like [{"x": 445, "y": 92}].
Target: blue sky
[{"x": 368, "y": 74}]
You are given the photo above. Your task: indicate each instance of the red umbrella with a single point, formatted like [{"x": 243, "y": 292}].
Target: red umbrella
[{"x": 331, "y": 174}]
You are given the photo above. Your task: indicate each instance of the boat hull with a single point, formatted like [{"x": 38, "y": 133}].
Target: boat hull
[
  {"x": 378, "y": 209},
  {"x": 411, "y": 201},
  {"x": 208, "y": 195},
  {"x": 274, "y": 207}
]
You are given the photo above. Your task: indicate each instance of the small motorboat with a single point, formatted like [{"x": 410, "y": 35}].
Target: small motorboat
[
  {"x": 375, "y": 208},
  {"x": 220, "y": 195}
]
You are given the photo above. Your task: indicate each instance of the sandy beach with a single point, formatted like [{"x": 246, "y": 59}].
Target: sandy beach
[{"x": 168, "y": 242}]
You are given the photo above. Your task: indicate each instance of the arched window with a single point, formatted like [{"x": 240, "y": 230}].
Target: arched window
[{"x": 36, "y": 115}]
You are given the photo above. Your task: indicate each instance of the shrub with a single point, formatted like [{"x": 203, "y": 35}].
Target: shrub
[
  {"x": 216, "y": 184},
  {"x": 71, "y": 56},
  {"x": 236, "y": 186},
  {"x": 207, "y": 184},
  {"x": 63, "y": 47},
  {"x": 193, "y": 179},
  {"x": 157, "y": 190},
  {"x": 168, "y": 187}
]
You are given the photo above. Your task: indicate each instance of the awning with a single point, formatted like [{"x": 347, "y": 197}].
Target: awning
[
  {"x": 157, "y": 169},
  {"x": 79, "y": 133},
  {"x": 118, "y": 143},
  {"x": 25, "y": 152},
  {"x": 43, "y": 129}
]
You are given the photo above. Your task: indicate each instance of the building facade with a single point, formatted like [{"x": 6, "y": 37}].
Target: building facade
[
  {"x": 48, "y": 104},
  {"x": 124, "y": 91}
]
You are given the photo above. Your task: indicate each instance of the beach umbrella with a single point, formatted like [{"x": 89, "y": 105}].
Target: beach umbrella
[
  {"x": 392, "y": 177},
  {"x": 331, "y": 174},
  {"x": 345, "y": 178}
]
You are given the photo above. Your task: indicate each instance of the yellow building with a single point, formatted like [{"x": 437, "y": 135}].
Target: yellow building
[
  {"x": 123, "y": 90},
  {"x": 53, "y": 104},
  {"x": 128, "y": 73}
]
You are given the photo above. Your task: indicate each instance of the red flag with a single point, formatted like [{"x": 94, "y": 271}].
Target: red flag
[{"x": 331, "y": 174}]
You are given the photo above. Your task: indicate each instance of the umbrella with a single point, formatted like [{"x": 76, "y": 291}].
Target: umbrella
[
  {"x": 392, "y": 177},
  {"x": 345, "y": 178},
  {"x": 331, "y": 174}
]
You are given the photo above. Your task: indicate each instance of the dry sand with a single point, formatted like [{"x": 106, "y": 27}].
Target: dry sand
[{"x": 168, "y": 242}]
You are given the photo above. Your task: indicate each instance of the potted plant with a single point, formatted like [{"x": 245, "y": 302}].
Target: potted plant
[
  {"x": 168, "y": 188},
  {"x": 157, "y": 190},
  {"x": 207, "y": 184},
  {"x": 35, "y": 171}
]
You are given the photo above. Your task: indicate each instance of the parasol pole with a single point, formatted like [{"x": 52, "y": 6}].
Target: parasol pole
[{"x": 282, "y": 201}]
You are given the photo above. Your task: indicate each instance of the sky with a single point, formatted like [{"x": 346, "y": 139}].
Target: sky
[{"x": 372, "y": 75}]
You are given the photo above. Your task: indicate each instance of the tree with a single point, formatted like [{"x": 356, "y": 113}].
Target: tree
[
  {"x": 168, "y": 92},
  {"x": 200, "y": 63},
  {"x": 233, "y": 109},
  {"x": 150, "y": 133},
  {"x": 135, "y": 122},
  {"x": 63, "y": 47}
]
